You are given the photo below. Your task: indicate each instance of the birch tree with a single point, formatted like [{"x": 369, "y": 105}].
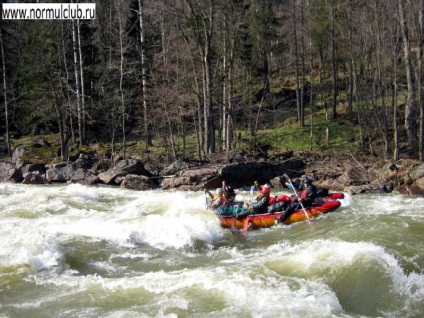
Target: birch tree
[{"x": 147, "y": 135}]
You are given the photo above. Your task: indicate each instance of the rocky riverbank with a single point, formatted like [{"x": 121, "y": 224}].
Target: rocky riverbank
[{"x": 345, "y": 173}]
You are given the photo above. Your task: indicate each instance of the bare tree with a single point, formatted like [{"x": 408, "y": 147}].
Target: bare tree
[
  {"x": 147, "y": 135},
  {"x": 6, "y": 108},
  {"x": 419, "y": 73},
  {"x": 77, "y": 86},
  {"x": 333, "y": 5},
  {"x": 83, "y": 110},
  {"x": 410, "y": 110}
]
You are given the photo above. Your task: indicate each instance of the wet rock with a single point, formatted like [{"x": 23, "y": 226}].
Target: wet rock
[{"x": 365, "y": 188}]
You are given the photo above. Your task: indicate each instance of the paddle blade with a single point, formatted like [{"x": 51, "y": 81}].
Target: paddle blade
[{"x": 246, "y": 224}]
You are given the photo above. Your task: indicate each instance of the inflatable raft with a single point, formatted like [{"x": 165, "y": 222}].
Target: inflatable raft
[{"x": 320, "y": 206}]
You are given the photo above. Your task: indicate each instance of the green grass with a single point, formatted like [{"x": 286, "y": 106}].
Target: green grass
[{"x": 285, "y": 136}]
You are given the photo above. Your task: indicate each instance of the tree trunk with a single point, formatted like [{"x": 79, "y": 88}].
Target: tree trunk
[
  {"x": 296, "y": 67},
  {"x": 147, "y": 135},
  {"x": 67, "y": 95},
  {"x": 82, "y": 141},
  {"x": 419, "y": 80},
  {"x": 6, "y": 108},
  {"x": 121, "y": 79},
  {"x": 333, "y": 58},
  {"x": 302, "y": 56},
  {"x": 77, "y": 85},
  {"x": 198, "y": 105},
  {"x": 410, "y": 109}
]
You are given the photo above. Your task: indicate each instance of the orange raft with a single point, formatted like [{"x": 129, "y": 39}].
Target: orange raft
[{"x": 268, "y": 219}]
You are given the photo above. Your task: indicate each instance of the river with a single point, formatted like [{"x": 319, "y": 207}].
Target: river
[{"x": 77, "y": 251}]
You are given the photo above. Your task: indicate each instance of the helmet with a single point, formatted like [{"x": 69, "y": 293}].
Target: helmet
[
  {"x": 306, "y": 180},
  {"x": 218, "y": 191},
  {"x": 265, "y": 190}
]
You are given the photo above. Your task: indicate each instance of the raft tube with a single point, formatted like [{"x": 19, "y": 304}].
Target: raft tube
[{"x": 268, "y": 219}]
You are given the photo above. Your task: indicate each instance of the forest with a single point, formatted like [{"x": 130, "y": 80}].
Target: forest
[{"x": 216, "y": 73}]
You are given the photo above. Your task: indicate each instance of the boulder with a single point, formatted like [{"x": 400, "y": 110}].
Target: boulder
[
  {"x": 18, "y": 153},
  {"x": 176, "y": 182},
  {"x": 39, "y": 168},
  {"x": 174, "y": 167},
  {"x": 136, "y": 182},
  {"x": 409, "y": 190},
  {"x": 277, "y": 182},
  {"x": 123, "y": 168},
  {"x": 8, "y": 172},
  {"x": 85, "y": 177},
  {"x": 240, "y": 174},
  {"x": 61, "y": 172},
  {"x": 356, "y": 176},
  {"x": 365, "y": 188},
  {"x": 197, "y": 174},
  {"x": 43, "y": 143},
  {"x": 33, "y": 178}
]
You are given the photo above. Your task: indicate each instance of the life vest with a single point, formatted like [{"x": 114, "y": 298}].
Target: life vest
[
  {"x": 217, "y": 197},
  {"x": 283, "y": 198}
]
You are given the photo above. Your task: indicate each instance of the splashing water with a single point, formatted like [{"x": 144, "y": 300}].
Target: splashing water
[{"x": 77, "y": 251}]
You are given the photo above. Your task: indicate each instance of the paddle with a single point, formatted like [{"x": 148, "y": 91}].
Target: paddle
[
  {"x": 298, "y": 199},
  {"x": 207, "y": 198},
  {"x": 246, "y": 224}
]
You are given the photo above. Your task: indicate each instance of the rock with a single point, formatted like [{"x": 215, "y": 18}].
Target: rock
[
  {"x": 8, "y": 172},
  {"x": 85, "y": 177},
  {"x": 124, "y": 167},
  {"x": 43, "y": 143},
  {"x": 415, "y": 190},
  {"x": 61, "y": 172},
  {"x": 277, "y": 182},
  {"x": 174, "y": 167},
  {"x": 136, "y": 182},
  {"x": 356, "y": 176},
  {"x": 240, "y": 174},
  {"x": 365, "y": 188},
  {"x": 40, "y": 168},
  {"x": 33, "y": 178},
  {"x": 197, "y": 174},
  {"x": 18, "y": 153},
  {"x": 176, "y": 182}
]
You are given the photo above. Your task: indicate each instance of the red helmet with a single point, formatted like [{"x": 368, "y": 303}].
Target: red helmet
[{"x": 265, "y": 190}]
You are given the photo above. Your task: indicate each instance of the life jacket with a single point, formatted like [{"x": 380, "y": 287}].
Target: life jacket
[
  {"x": 283, "y": 198},
  {"x": 310, "y": 193},
  {"x": 217, "y": 197}
]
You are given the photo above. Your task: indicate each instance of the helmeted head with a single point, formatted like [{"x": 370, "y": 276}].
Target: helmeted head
[
  {"x": 219, "y": 191},
  {"x": 265, "y": 190},
  {"x": 307, "y": 181}
]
